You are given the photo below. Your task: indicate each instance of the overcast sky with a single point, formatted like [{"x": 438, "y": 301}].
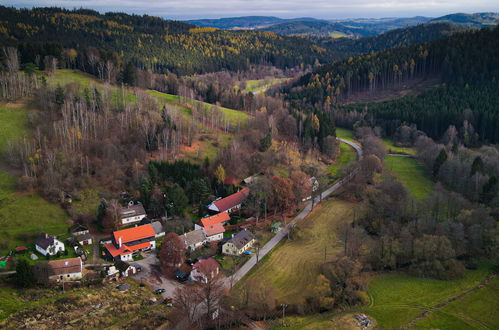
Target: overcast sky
[{"x": 188, "y": 9}]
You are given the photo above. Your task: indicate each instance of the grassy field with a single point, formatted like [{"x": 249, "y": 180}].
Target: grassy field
[
  {"x": 347, "y": 156},
  {"x": 293, "y": 265},
  {"x": 392, "y": 148},
  {"x": 22, "y": 216},
  {"x": 397, "y": 299},
  {"x": 411, "y": 174}
]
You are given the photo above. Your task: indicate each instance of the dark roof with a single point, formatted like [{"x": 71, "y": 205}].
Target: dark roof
[
  {"x": 78, "y": 228},
  {"x": 83, "y": 237},
  {"x": 158, "y": 227},
  {"x": 242, "y": 238},
  {"x": 180, "y": 274},
  {"x": 145, "y": 221},
  {"x": 121, "y": 265},
  {"x": 44, "y": 240}
]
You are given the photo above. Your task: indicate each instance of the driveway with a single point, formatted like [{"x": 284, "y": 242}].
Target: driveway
[{"x": 151, "y": 275}]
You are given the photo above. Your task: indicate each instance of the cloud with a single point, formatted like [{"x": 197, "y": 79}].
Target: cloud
[{"x": 284, "y": 8}]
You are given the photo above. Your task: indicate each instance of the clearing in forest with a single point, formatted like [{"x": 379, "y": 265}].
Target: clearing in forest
[{"x": 411, "y": 174}]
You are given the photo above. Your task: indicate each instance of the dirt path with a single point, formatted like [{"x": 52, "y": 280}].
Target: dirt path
[{"x": 428, "y": 311}]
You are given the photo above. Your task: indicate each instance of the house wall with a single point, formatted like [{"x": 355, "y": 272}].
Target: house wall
[
  {"x": 89, "y": 242},
  {"x": 126, "y": 257},
  {"x": 217, "y": 237},
  {"x": 42, "y": 251},
  {"x": 58, "y": 246},
  {"x": 129, "y": 220},
  {"x": 66, "y": 277}
]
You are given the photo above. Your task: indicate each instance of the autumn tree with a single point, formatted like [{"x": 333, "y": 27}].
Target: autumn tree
[
  {"x": 112, "y": 219},
  {"x": 220, "y": 174},
  {"x": 282, "y": 193},
  {"x": 172, "y": 254}
]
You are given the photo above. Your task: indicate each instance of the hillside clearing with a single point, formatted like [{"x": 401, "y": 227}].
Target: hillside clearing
[
  {"x": 411, "y": 174},
  {"x": 347, "y": 156}
]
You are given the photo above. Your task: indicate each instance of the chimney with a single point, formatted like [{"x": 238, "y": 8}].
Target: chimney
[{"x": 119, "y": 242}]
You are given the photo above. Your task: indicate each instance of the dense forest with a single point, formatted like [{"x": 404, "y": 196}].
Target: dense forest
[
  {"x": 91, "y": 41},
  {"x": 466, "y": 63}
]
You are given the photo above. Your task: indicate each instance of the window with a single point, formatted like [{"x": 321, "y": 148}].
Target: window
[{"x": 68, "y": 275}]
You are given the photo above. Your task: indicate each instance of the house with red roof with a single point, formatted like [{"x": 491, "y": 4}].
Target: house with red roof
[
  {"x": 204, "y": 269},
  {"x": 127, "y": 242},
  {"x": 213, "y": 226},
  {"x": 230, "y": 203},
  {"x": 214, "y": 232}
]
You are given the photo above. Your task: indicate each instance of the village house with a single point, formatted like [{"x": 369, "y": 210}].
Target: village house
[
  {"x": 127, "y": 242},
  {"x": 125, "y": 268},
  {"x": 56, "y": 271},
  {"x": 81, "y": 235},
  {"x": 158, "y": 229},
  {"x": 230, "y": 203},
  {"x": 194, "y": 239},
  {"x": 239, "y": 243},
  {"x": 214, "y": 232},
  {"x": 132, "y": 213},
  {"x": 204, "y": 269},
  {"x": 48, "y": 245},
  {"x": 220, "y": 218}
]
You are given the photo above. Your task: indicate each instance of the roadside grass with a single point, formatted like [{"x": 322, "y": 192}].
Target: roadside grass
[
  {"x": 344, "y": 133},
  {"x": 346, "y": 157},
  {"x": 411, "y": 174},
  {"x": 293, "y": 265}
]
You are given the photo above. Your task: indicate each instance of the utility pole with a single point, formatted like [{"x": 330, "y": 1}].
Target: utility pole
[{"x": 283, "y": 312}]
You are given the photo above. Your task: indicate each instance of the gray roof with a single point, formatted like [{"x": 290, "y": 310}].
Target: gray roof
[
  {"x": 242, "y": 238},
  {"x": 83, "y": 237},
  {"x": 158, "y": 227},
  {"x": 132, "y": 211},
  {"x": 194, "y": 237}
]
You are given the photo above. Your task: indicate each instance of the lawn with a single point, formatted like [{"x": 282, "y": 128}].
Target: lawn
[
  {"x": 346, "y": 157},
  {"x": 293, "y": 265},
  {"x": 344, "y": 133},
  {"x": 411, "y": 174}
]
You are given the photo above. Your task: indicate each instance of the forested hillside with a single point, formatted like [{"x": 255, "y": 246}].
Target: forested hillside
[
  {"x": 316, "y": 28},
  {"x": 344, "y": 48},
  {"x": 466, "y": 63},
  {"x": 86, "y": 39}
]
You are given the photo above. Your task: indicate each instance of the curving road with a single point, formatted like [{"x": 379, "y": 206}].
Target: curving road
[{"x": 284, "y": 232}]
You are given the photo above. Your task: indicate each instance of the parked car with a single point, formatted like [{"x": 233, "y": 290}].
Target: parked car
[{"x": 159, "y": 291}]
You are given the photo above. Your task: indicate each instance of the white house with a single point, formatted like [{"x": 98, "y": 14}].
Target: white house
[
  {"x": 204, "y": 269},
  {"x": 132, "y": 213},
  {"x": 127, "y": 242},
  {"x": 62, "y": 270},
  {"x": 239, "y": 243},
  {"x": 214, "y": 232},
  {"x": 48, "y": 245}
]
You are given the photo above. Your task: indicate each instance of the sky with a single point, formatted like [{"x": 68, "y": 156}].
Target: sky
[{"x": 326, "y": 9}]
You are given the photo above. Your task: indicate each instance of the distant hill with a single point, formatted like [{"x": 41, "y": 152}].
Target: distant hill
[
  {"x": 373, "y": 26},
  {"x": 245, "y": 22},
  {"x": 477, "y": 20},
  {"x": 316, "y": 28},
  {"x": 344, "y": 48}
]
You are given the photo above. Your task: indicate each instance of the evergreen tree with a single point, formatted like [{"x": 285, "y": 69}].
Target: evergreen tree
[
  {"x": 477, "y": 166},
  {"x": 129, "y": 74},
  {"x": 25, "y": 276},
  {"x": 266, "y": 142},
  {"x": 177, "y": 200},
  {"x": 439, "y": 161}
]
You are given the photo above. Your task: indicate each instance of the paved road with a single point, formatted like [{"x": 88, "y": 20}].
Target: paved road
[{"x": 284, "y": 232}]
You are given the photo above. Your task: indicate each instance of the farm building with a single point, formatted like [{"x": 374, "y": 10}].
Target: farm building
[
  {"x": 48, "y": 245},
  {"x": 230, "y": 203},
  {"x": 220, "y": 218},
  {"x": 239, "y": 243},
  {"x": 59, "y": 270},
  {"x": 127, "y": 242},
  {"x": 81, "y": 235}
]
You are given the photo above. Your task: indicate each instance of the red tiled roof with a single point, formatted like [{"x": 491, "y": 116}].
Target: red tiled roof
[
  {"x": 21, "y": 248},
  {"x": 114, "y": 251},
  {"x": 64, "y": 266},
  {"x": 134, "y": 234},
  {"x": 230, "y": 201},
  {"x": 214, "y": 229},
  {"x": 217, "y": 218}
]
